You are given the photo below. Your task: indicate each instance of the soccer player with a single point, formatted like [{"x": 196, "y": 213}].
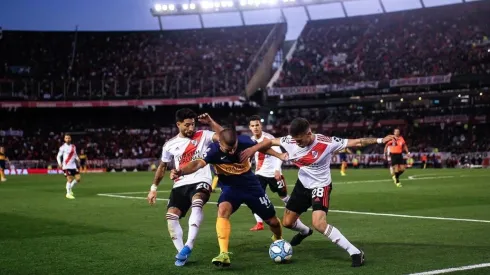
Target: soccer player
[
  {"x": 395, "y": 148},
  {"x": 3, "y": 160},
  {"x": 83, "y": 161},
  {"x": 267, "y": 168},
  {"x": 68, "y": 164},
  {"x": 312, "y": 153},
  {"x": 231, "y": 158},
  {"x": 191, "y": 191},
  {"x": 343, "y": 160}
]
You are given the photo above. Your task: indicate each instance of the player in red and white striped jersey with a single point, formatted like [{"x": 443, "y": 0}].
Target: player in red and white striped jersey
[
  {"x": 190, "y": 191},
  {"x": 267, "y": 168},
  {"x": 312, "y": 153},
  {"x": 67, "y": 161}
]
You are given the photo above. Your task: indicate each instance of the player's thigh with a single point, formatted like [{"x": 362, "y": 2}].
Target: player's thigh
[
  {"x": 278, "y": 187},
  {"x": 298, "y": 203},
  {"x": 263, "y": 182},
  {"x": 202, "y": 191},
  {"x": 179, "y": 201},
  {"x": 320, "y": 202},
  {"x": 229, "y": 201},
  {"x": 258, "y": 201}
]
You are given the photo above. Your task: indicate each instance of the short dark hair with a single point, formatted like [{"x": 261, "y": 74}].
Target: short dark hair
[
  {"x": 299, "y": 126},
  {"x": 254, "y": 118},
  {"x": 184, "y": 114},
  {"x": 228, "y": 136}
]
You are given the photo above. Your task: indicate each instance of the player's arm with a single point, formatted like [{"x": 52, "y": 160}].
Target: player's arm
[
  {"x": 348, "y": 150},
  {"x": 58, "y": 158},
  {"x": 159, "y": 174},
  {"x": 190, "y": 168},
  {"x": 405, "y": 148},
  {"x": 215, "y": 127},
  {"x": 361, "y": 142}
]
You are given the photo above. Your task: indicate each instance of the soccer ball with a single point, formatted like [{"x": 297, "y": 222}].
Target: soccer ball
[{"x": 280, "y": 251}]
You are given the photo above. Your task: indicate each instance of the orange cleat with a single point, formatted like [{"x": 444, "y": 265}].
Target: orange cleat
[{"x": 259, "y": 226}]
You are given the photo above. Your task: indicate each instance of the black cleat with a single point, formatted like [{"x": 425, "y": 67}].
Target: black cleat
[
  {"x": 357, "y": 259},
  {"x": 298, "y": 238}
]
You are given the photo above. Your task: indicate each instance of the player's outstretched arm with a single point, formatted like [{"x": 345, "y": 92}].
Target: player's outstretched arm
[
  {"x": 206, "y": 119},
  {"x": 190, "y": 168},
  {"x": 262, "y": 146},
  {"x": 58, "y": 158},
  {"x": 159, "y": 174},
  {"x": 361, "y": 142}
]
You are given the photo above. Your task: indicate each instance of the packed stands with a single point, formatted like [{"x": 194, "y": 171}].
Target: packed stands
[
  {"x": 424, "y": 42},
  {"x": 187, "y": 63}
]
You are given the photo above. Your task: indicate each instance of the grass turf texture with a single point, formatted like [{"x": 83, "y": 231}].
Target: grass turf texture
[{"x": 41, "y": 232}]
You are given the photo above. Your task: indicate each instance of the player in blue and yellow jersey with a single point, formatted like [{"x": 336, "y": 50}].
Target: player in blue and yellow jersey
[
  {"x": 343, "y": 160},
  {"x": 3, "y": 161},
  {"x": 231, "y": 159}
]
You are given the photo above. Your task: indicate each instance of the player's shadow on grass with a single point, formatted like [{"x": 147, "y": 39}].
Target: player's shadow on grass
[{"x": 22, "y": 227}]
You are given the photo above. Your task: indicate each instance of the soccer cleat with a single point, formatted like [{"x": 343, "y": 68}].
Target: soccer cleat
[
  {"x": 71, "y": 193},
  {"x": 357, "y": 259},
  {"x": 258, "y": 227},
  {"x": 222, "y": 260},
  {"x": 298, "y": 238},
  {"x": 182, "y": 257},
  {"x": 274, "y": 238},
  {"x": 398, "y": 184},
  {"x": 70, "y": 196}
]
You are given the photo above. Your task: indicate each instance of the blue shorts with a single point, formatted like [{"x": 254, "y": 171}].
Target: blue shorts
[
  {"x": 343, "y": 157},
  {"x": 254, "y": 197}
]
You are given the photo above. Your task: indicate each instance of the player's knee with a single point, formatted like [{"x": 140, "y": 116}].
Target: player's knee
[
  {"x": 224, "y": 210},
  {"x": 173, "y": 212},
  {"x": 288, "y": 222}
]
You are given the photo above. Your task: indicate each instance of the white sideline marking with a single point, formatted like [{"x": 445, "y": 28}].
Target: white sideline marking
[
  {"x": 454, "y": 269},
  {"x": 335, "y": 211}
]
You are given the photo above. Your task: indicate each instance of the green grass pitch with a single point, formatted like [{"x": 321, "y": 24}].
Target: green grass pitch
[{"x": 41, "y": 232}]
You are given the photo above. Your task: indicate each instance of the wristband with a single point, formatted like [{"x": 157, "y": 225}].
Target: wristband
[
  {"x": 153, "y": 187},
  {"x": 379, "y": 140}
]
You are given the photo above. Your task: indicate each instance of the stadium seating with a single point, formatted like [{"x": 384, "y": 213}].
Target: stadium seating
[
  {"x": 188, "y": 63},
  {"x": 424, "y": 42}
]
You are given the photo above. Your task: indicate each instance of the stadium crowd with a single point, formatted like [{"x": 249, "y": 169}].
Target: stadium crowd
[
  {"x": 184, "y": 63},
  {"x": 103, "y": 136},
  {"x": 424, "y": 42}
]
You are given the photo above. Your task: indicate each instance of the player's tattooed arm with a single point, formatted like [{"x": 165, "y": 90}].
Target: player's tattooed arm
[
  {"x": 361, "y": 142},
  {"x": 190, "y": 168}
]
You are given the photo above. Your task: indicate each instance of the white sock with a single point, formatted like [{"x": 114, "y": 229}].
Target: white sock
[
  {"x": 285, "y": 199},
  {"x": 175, "y": 231},
  {"x": 194, "y": 222},
  {"x": 300, "y": 227},
  {"x": 336, "y": 237},
  {"x": 68, "y": 187},
  {"x": 73, "y": 182},
  {"x": 258, "y": 219}
]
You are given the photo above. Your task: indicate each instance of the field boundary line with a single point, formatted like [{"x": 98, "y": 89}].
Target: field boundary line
[
  {"x": 115, "y": 195},
  {"x": 453, "y": 269}
]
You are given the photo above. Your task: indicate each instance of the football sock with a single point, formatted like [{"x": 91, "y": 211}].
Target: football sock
[
  {"x": 285, "y": 199},
  {"x": 223, "y": 229},
  {"x": 336, "y": 237},
  {"x": 194, "y": 222},
  {"x": 258, "y": 219},
  {"x": 300, "y": 227},
  {"x": 68, "y": 187},
  {"x": 215, "y": 183},
  {"x": 2, "y": 175},
  {"x": 175, "y": 231},
  {"x": 397, "y": 176},
  {"x": 342, "y": 168},
  {"x": 73, "y": 182}
]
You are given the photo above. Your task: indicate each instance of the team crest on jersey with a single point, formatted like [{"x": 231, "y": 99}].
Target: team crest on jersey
[
  {"x": 194, "y": 142},
  {"x": 314, "y": 154}
]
